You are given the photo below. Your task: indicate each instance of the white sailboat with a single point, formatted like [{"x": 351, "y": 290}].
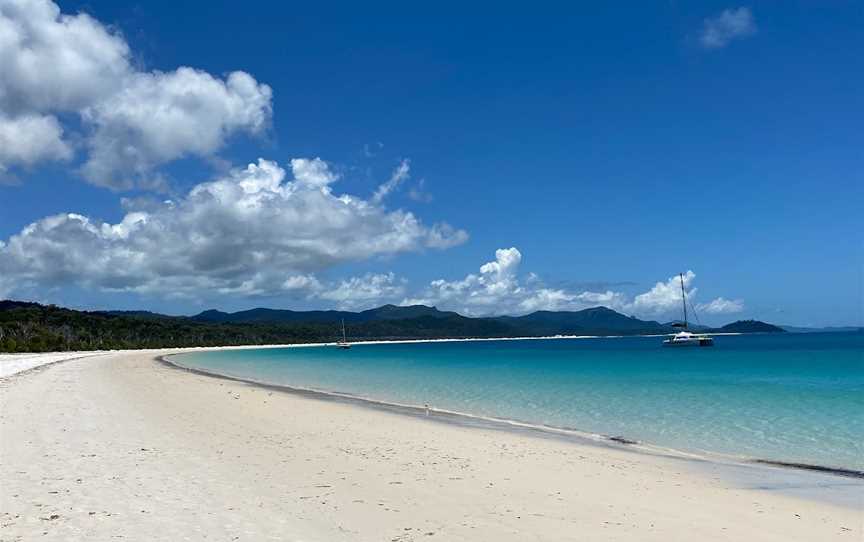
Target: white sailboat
[
  {"x": 344, "y": 342},
  {"x": 684, "y": 337}
]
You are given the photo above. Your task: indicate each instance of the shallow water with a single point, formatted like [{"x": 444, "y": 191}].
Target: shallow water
[{"x": 789, "y": 397}]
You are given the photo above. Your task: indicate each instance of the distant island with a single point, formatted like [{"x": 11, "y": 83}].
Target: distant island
[
  {"x": 33, "y": 327},
  {"x": 750, "y": 326}
]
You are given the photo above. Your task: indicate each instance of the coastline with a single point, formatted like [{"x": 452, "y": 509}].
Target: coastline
[
  {"x": 121, "y": 444},
  {"x": 30, "y": 362},
  {"x": 520, "y": 426},
  {"x": 13, "y": 367}
]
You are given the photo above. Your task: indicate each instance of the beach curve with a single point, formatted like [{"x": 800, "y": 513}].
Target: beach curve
[{"x": 121, "y": 444}]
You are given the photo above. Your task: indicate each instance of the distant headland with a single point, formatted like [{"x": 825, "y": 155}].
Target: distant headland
[{"x": 33, "y": 327}]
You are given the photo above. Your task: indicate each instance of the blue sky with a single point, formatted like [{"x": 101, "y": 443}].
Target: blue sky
[{"x": 612, "y": 146}]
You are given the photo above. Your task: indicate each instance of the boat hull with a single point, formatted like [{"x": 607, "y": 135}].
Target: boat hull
[{"x": 702, "y": 341}]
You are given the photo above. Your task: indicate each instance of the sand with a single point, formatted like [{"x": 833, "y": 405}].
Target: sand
[
  {"x": 11, "y": 364},
  {"x": 121, "y": 447}
]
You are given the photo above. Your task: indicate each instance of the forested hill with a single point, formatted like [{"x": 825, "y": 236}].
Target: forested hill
[
  {"x": 750, "y": 326},
  {"x": 32, "y": 327}
]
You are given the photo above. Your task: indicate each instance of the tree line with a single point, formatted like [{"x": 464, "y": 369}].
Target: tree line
[{"x": 32, "y": 327}]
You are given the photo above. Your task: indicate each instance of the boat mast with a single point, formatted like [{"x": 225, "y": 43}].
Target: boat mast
[
  {"x": 683, "y": 299},
  {"x": 344, "y": 337}
]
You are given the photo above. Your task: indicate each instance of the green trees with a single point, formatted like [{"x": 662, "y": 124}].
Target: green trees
[{"x": 31, "y": 327}]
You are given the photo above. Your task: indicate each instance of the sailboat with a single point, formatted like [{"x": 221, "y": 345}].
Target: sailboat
[
  {"x": 344, "y": 342},
  {"x": 684, "y": 337}
]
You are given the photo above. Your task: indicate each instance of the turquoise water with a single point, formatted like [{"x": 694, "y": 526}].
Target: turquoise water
[{"x": 790, "y": 397}]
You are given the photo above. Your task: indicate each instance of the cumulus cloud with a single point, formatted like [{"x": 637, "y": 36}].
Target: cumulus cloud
[
  {"x": 366, "y": 291},
  {"x": 729, "y": 25},
  {"x": 313, "y": 172},
  {"x": 302, "y": 283},
  {"x": 481, "y": 293},
  {"x": 249, "y": 233},
  {"x": 499, "y": 288},
  {"x": 30, "y": 138},
  {"x": 133, "y": 121},
  {"x": 159, "y": 117},
  {"x": 53, "y": 61},
  {"x": 665, "y": 297},
  {"x": 552, "y": 299},
  {"x": 722, "y": 306}
]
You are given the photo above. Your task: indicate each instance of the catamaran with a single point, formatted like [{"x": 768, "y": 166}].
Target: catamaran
[
  {"x": 344, "y": 342},
  {"x": 685, "y": 338}
]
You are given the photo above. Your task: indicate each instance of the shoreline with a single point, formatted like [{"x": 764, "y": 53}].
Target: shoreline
[
  {"x": 89, "y": 353},
  {"x": 20, "y": 366},
  {"x": 465, "y": 419},
  {"x": 127, "y": 446}
]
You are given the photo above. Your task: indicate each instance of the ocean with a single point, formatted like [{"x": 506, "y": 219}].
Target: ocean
[{"x": 778, "y": 397}]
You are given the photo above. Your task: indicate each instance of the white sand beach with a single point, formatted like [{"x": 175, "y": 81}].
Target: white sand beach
[
  {"x": 11, "y": 364},
  {"x": 120, "y": 446}
]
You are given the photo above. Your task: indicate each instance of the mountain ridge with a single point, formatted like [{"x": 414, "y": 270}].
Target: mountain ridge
[
  {"x": 32, "y": 327},
  {"x": 267, "y": 315}
]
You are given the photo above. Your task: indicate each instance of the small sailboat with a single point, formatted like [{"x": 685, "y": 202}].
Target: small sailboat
[
  {"x": 344, "y": 342},
  {"x": 684, "y": 337}
]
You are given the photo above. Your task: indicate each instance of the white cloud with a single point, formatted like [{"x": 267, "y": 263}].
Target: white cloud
[
  {"x": 7, "y": 284},
  {"x": 399, "y": 175},
  {"x": 664, "y": 297},
  {"x": 364, "y": 292},
  {"x": 159, "y": 117},
  {"x": 249, "y": 233},
  {"x": 504, "y": 267},
  {"x": 30, "y": 138},
  {"x": 722, "y": 306},
  {"x": 52, "y": 61},
  {"x": 443, "y": 235},
  {"x": 499, "y": 289},
  {"x": 495, "y": 289},
  {"x": 730, "y": 24},
  {"x": 546, "y": 299},
  {"x": 134, "y": 121},
  {"x": 302, "y": 283},
  {"x": 313, "y": 172}
]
